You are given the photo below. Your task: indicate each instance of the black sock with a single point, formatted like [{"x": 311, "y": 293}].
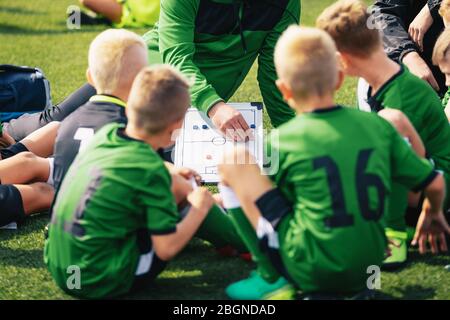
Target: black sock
[{"x": 12, "y": 150}]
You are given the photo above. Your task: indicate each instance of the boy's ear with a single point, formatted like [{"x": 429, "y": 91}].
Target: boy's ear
[
  {"x": 342, "y": 61},
  {"x": 284, "y": 89},
  {"x": 175, "y": 128},
  {"x": 89, "y": 77},
  {"x": 340, "y": 81}
]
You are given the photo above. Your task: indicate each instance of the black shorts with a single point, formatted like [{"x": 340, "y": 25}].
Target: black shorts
[
  {"x": 11, "y": 205},
  {"x": 157, "y": 265},
  {"x": 273, "y": 207}
]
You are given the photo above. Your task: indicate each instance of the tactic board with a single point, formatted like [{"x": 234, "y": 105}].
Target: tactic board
[{"x": 200, "y": 146}]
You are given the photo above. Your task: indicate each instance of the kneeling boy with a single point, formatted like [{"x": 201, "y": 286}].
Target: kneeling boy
[
  {"x": 118, "y": 220},
  {"x": 319, "y": 229}
]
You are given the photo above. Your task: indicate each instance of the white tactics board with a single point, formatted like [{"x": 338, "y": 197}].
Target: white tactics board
[{"x": 200, "y": 145}]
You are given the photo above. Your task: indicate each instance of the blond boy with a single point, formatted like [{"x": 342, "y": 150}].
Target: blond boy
[
  {"x": 115, "y": 58},
  {"x": 316, "y": 223}
]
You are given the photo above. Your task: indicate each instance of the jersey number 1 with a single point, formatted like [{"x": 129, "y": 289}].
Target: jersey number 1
[
  {"x": 84, "y": 135},
  {"x": 341, "y": 218}
]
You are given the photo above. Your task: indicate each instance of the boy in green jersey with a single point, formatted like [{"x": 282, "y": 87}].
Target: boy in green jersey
[
  {"x": 316, "y": 224},
  {"x": 391, "y": 86},
  {"x": 441, "y": 58},
  {"x": 116, "y": 225}
]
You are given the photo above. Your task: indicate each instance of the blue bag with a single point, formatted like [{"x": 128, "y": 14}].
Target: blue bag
[{"x": 22, "y": 90}]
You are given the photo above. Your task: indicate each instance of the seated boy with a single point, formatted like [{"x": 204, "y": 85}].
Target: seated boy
[
  {"x": 392, "y": 86},
  {"x": 441, "y": 58},
  {"x": 118, "y": 220},
  {"x": 122, "y": 13},
  {"x": 320, "y": 227},
  {"x": 115, "y": 58}
]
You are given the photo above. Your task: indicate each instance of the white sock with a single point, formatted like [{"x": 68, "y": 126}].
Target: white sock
[
  {"x": 266, "y": 229},
  {"x": 229, "y": 198},
  {"x": 51, "y": 163}
]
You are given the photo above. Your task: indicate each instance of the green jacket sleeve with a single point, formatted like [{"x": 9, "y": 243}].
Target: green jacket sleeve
[
  {"x": 177, "y": 48},
  {"x": 279, "y": 112}
]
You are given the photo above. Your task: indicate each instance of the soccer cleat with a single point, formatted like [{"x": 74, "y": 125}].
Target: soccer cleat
[
  {"x": 89, "y": 18},
  {"x": 397, "y": 249},
  {"x": 256, "y": 288}
]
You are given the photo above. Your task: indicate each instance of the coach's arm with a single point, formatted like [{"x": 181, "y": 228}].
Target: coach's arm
[
  {"x": 177, "y": 48},
  {"x": 279, "y": 112}
]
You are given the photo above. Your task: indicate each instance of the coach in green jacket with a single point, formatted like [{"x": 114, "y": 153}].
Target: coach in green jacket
[{"x": 215, "y": 43}]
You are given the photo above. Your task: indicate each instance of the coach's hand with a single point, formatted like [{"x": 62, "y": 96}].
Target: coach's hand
[
  {"x": 229, "y": 121},
  {"x": 420, "y": 26},
  {"x": 431, "y": 227},
  {"x": 419, "y": 67}
]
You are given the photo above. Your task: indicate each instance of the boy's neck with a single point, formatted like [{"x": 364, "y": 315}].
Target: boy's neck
[
  {"x": 383, "y": 70},
  {"x": 134, "y": 133},
  {"x": 118, "y": 94},
  {"x": 315, "y": 103}
]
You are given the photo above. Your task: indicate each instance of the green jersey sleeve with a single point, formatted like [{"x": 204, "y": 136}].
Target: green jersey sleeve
[
  {"x": 278, "y": 110},
  {"x": 177, "y": 48},
  {"x": 161, "y": 209},
  {"x": 407, "y": 168}
]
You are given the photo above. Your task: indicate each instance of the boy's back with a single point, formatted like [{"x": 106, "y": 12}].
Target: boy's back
[
  {"x": 78, "y": 128},
  {"x": 420, "y": 103},
  {"x": 336, "y": 167},
  {"x": 97, "y": 222}
]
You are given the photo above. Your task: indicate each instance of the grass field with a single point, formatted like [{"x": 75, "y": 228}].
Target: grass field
[{"x": 34, "y": 33}]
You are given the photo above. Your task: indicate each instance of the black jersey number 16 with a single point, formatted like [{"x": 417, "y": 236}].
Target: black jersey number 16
[{"x": 341, "y": 217}]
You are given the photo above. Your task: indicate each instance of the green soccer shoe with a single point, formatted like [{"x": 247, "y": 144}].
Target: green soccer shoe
[
  {"x": 256, "y": 288},
  {"x": 397, "y": 249}
]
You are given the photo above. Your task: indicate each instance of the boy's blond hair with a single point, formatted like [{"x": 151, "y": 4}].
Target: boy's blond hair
[
  {"x": 306, "y": 59},
  {"x": 441, "y": 48},
  {"x": 347, "y": 23},
  {"x": 444, "y": 10},
  {"x": 159, "y": 97},
  {"x": 107, "y": 59}
]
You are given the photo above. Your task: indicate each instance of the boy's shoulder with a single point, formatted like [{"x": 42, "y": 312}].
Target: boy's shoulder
[
  {"x": 405, "y": 87},
  {"x": 339, "y": 113},
  {"x": 94, "y": 115},
  {"x": 116, "y": 154},
  {"x": 115, "y": 146},
  {"x": 325, "y": 126}
]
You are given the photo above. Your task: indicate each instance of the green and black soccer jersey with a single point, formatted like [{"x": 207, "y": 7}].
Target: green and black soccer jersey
[
  {"x": 115, "y": 187},
  {"x": 336, "y": 167},
  {"x": 216, "y": 42},
  {"x": 420, "y": 103}
]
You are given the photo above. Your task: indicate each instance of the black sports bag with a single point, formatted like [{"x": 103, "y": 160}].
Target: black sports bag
[{"x": 22, "y": 90}]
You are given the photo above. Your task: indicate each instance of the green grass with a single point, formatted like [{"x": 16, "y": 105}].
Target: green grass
[{"x": 34, "y": 33}]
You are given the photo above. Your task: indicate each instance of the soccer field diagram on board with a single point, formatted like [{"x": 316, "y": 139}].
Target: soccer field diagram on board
[{"x": 200, "y": 146}]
